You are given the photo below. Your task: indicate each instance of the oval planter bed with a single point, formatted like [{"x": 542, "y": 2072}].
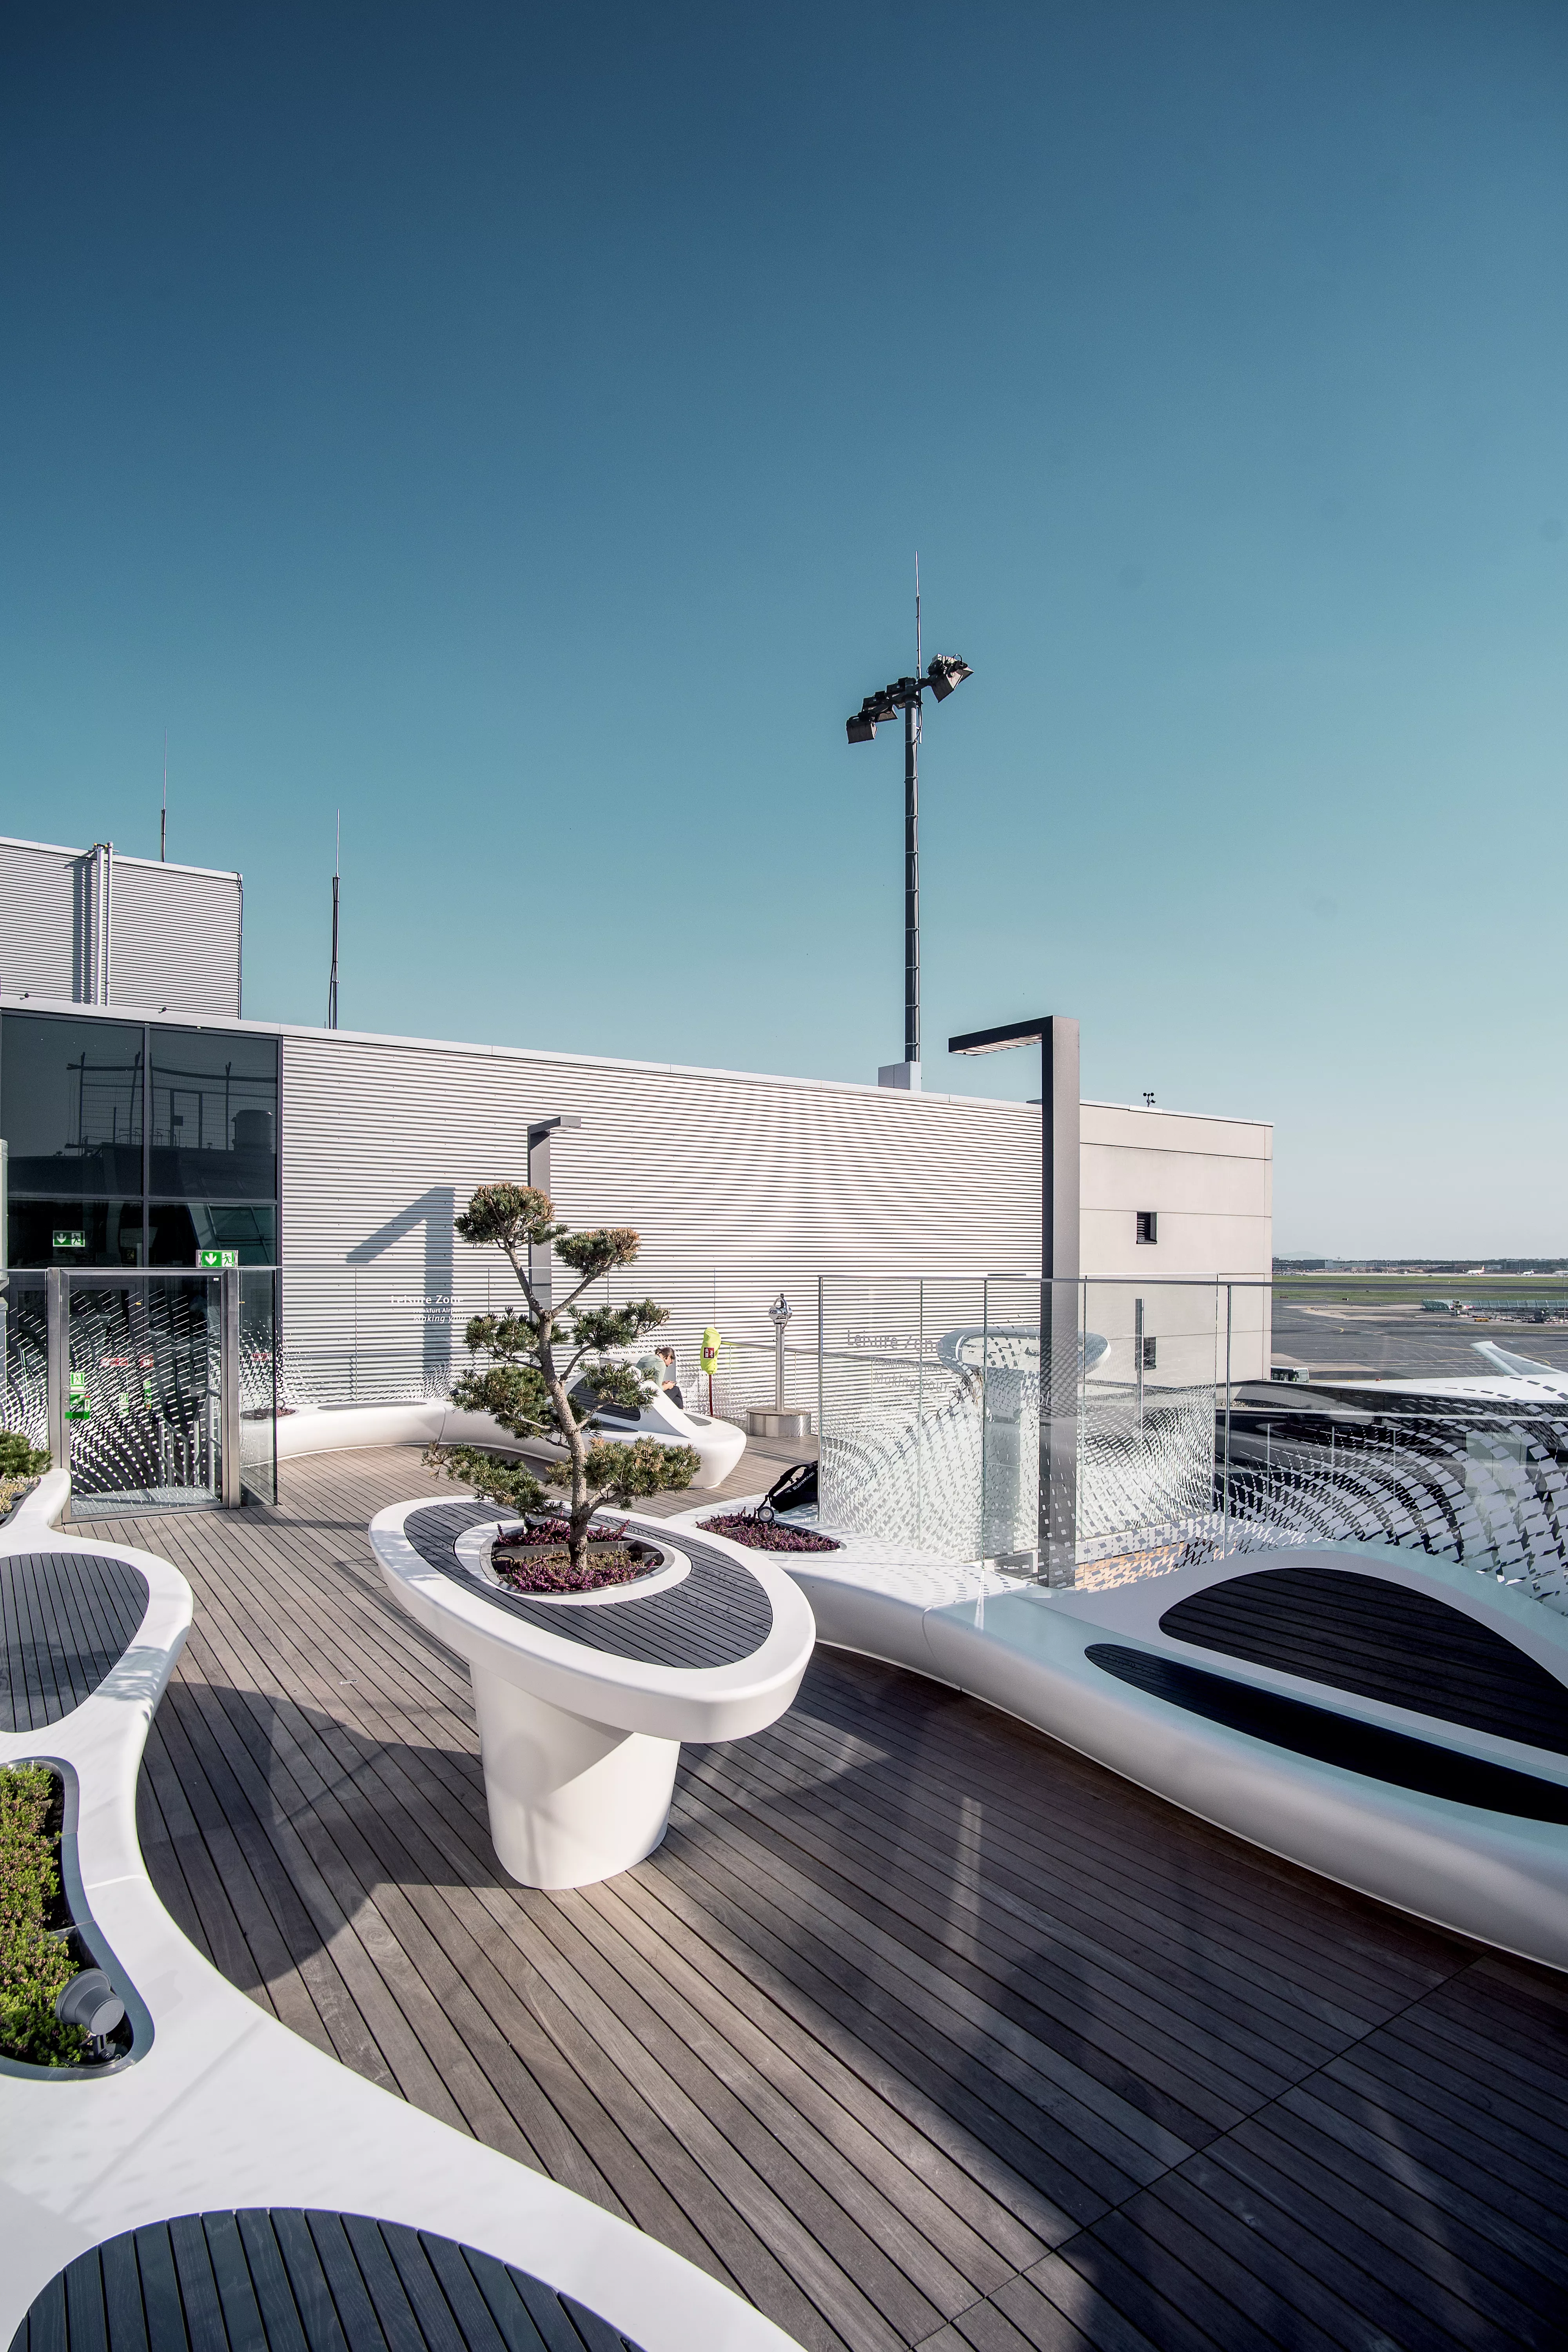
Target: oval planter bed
[
  {"x": 60, "y": 2010},
  {"x": 583, "y": 1698},
  {"x": 768, "y": 1534}
]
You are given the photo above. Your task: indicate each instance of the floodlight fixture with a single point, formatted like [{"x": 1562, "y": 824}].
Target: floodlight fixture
[{"x": 946, "y": 673}]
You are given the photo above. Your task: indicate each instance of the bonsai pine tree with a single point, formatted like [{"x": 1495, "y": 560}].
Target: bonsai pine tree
[{"x": 549, "y": 1370}]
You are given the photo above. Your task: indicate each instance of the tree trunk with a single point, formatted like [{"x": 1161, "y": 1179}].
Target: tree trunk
[{"x": 582, "y": 1508}]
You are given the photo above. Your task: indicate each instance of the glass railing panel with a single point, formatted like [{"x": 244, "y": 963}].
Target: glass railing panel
[
  {"x": 24, "y": 1358},
  {"x": 258, "y": 1383},
  {"x": 142, "y": 1400}
]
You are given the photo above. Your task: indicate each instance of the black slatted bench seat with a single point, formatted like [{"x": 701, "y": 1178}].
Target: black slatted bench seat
[
  {"x": 1380, "y": 1639},
  {"x": 67, "y": 1618},
  {"x": 1369, "y": 1749},
  {"x": 275, "y": 2279}
]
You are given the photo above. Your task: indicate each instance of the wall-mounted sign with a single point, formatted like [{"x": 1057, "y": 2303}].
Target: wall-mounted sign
[
  {"x": 79, "y": 1404},
  {"x": 64, "y": 1239},
  {"x": 211, "y": 1260}
]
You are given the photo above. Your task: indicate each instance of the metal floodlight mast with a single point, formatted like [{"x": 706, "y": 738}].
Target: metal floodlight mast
[{"x": 943, "y": 673}]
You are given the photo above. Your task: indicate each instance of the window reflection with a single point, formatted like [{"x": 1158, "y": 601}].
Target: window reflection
[
  {"x": 179, "y": 1231},
  {"x": 76, "y": 1232},
  {"x": 214, "y": 1116},
  {"x": 71, "y": 1105}
]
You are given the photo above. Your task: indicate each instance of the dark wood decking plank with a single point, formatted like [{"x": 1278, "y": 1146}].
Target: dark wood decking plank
[
  {"x": 165, "y": 1867},
  {"x": 1403, "y": 2198},
  {"x": 1121, "y": 1890},
  {"x": 1536, "y": 2112},
  {"x": 1416, "y": 2269},
  {"x": 950, "y": 1998},
  {"x": 421, "y": 1984},
  {"x": 1016, "y": 2127},
  {"x": 1195, "y": 1972},
  {"x": 1008, "y": 1932},
  {"x": 1394, "y": 2142},
  {"x": 1269, "y": 1910},
  {"x": 1005, "y": 2200},
  {"x": 861, "y": 2129},
  {"x": 1488, "y": 2136},
  {"x": 667, "y": 2042},
  {"x": 288, "y": 1963}
]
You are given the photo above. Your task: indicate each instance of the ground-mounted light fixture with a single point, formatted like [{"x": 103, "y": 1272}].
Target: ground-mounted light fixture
[
  {"x": 541, "y": 1260},
  {"x": 1059, "y": 1121},
  {"x": 943, "y": 673}
]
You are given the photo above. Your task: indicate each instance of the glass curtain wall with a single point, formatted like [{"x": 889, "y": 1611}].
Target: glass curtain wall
[{"x": 138, "y": 1145}]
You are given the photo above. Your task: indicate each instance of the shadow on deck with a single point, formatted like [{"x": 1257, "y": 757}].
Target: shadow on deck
[{"x": 918, "y": 2030}]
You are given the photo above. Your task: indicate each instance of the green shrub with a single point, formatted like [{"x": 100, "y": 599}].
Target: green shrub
[
  {"x": 20, "y": 1460},
  {"x": 34, "y": 1965}
]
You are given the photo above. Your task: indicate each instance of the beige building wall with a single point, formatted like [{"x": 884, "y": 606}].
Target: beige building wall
[{"x": 1210, "y": 1183}]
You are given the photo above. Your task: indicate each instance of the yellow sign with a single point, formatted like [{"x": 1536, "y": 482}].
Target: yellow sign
[{"x": 712, "y": 1343}]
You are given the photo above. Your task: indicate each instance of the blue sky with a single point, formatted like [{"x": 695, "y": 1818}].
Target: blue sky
[{"x": 515, "y": 427}]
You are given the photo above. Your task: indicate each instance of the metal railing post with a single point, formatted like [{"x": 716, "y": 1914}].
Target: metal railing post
[
  {"x": 1229, "y": 1292},
  {"x": 57, "y": 1288},
  {"x": 228, "y": 1387}
]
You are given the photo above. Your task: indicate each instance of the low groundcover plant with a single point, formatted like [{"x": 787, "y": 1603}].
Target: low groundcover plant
[
  {"x": 34, "y": 1965},
  {"x": 767, "y": 1535}
]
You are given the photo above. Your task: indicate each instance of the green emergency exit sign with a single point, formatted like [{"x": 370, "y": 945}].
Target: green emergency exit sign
[
  {"x": 64, "y": 1239},
  {"x": 215, "y": 1259}
]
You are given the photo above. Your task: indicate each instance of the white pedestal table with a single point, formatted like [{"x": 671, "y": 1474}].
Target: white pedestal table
[{"x": 584, "y": 1699}]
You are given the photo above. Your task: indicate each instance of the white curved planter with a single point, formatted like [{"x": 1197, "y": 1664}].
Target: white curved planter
[
  {"x": 228, "y": 2109},
  {"x": 580, "y": 1743},
  {"x": 1498, "y": 1877}
]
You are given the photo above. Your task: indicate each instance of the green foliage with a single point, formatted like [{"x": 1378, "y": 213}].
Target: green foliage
[
  {"x": 34, "y": 1966},
  {"x": 509, "y": 1217},
  {"x": 514, "y": 1393},
  {"x": 20, "y": 1460},
  {"x": 509, "y": 1483},
  {"x": 593, "y": 1256},
  {"x": 622, "y": 1474},
  {"x": 531, "y": 1395},
  {"x": 617, "y": 1326},
  {"x": 617, "y": 1474}
]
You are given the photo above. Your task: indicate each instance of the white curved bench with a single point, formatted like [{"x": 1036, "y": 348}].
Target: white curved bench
[
  {"x": 432, "y": 1421},
  {"x": 584, "y": 1702},
  {"x": 718, "y": 1444},
  {"x": 221, "y": 2109},
  {"x": 1094, "y": 1669}
]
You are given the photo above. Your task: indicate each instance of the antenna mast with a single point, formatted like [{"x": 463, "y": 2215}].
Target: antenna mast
[
  {"x": 163, "y": 819},
  {"x": 333, "y": 976}
]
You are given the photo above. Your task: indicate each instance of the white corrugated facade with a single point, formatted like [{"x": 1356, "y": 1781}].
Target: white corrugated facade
[
  {"x": 91, "y": 927},
  {"x": 738, "y": 1185}
]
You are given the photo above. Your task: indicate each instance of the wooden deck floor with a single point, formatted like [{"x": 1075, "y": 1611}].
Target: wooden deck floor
[{"x": 919, "y": 2030}]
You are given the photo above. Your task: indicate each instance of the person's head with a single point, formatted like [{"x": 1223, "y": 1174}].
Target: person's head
[{"x": 665, "y": 1355}]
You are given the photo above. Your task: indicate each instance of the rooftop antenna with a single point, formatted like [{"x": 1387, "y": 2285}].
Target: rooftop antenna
[
  {"x": 333, "y": 976},
  {"x": 919, "y": 713},
  {"x": 163, "y": 819}
]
